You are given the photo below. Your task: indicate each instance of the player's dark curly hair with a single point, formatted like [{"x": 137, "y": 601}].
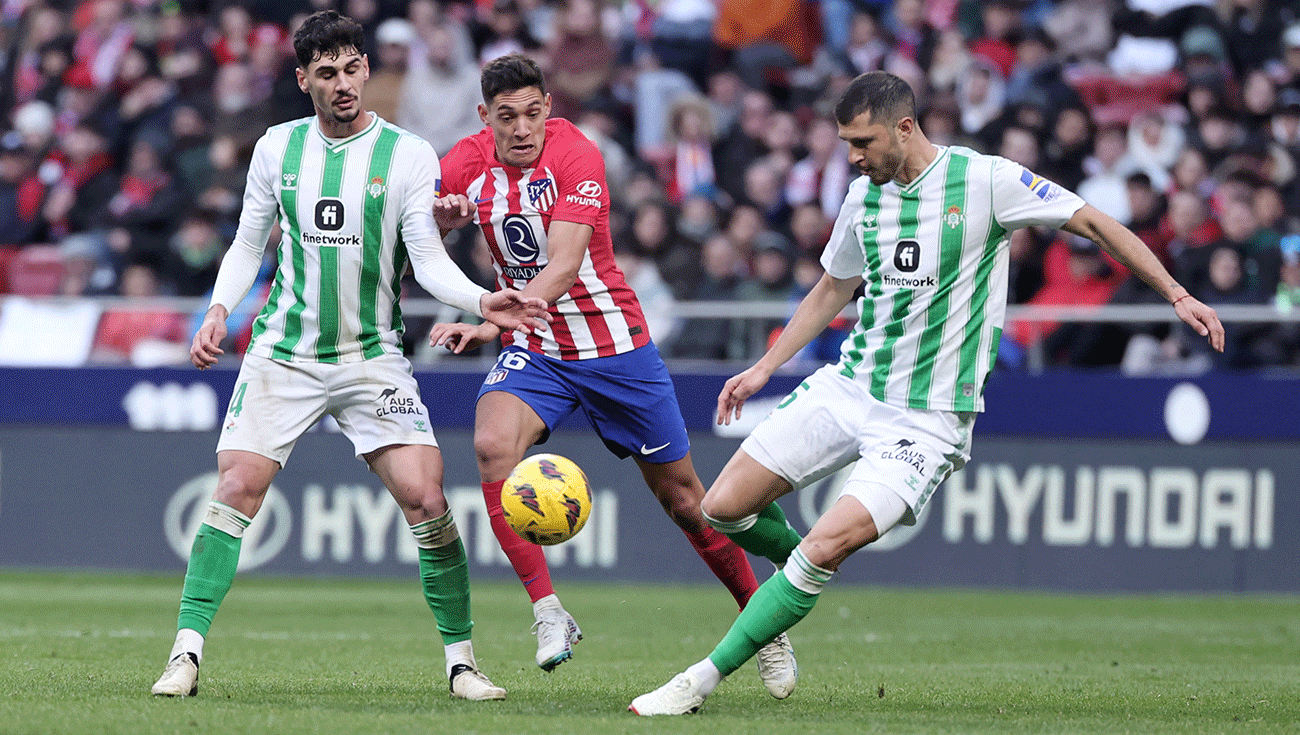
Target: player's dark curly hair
[
  {"x": 327, "y": 33},
  {"x": 887, "y": 97},
  {"x": 510, "y": 73}
]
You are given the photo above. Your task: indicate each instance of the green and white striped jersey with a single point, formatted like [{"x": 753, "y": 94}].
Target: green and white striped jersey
[
  {"x": 934, "y": 260},
  {"x": 351, "y": 212}
]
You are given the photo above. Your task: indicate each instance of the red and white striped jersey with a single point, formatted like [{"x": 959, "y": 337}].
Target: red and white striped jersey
[{"x": 600, "y": 315}]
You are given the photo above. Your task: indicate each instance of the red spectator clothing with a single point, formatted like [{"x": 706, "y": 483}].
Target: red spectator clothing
[
  {"x": 1001, "y": 53},
  {"x": 121, "y": 331},
  {"x": 137, "y": 192},
  {"x": 791, "y": 23},
  {"x": 600, "y": 315},
  {"x": 1208, "y": 232},
  {"x": 262, "y": 33},
  {"x": 1056, "y": 266},
  {"x": 1060, "y": 288}
]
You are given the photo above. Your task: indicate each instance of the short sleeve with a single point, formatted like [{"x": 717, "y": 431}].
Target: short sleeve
[
  {"x": 1022, "y": 198},
  {"x": 843, "y": 257},
  {"x": 580, "y": 187}
]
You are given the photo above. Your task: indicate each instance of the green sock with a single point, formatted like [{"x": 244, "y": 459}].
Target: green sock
[
  {"x": 775, "y": 607},
  {"x": 213, "y": 560},
  {"x": 444, "y": 571},
  {"x": 771, "y": 535}
]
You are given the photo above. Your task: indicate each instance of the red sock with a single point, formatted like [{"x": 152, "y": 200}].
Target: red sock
[
  {"x": 527, "y": 559},
  {"x": 727, "y": 561}
]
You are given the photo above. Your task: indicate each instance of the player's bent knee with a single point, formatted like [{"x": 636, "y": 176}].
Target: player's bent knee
[{"x": 727, "y": 525}]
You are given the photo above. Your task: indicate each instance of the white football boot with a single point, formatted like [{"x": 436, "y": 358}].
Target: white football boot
[
  {"x": 680, "y": 696},
  {"x": 777, "y": 667},
  {"x": 556, "y": 633},
  {"x": 180, "y": 678},
  {"x": 467, "y": 682}
]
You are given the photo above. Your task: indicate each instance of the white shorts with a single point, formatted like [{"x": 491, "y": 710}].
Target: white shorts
[
  {"x": 830, "y": 421},
  {"x": 376, "y": 402}
]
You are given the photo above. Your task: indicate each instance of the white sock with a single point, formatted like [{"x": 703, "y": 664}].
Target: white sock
[
  {"x": 187, "y": 641},
  {"x": 461, "y": 652},
  {"x": 707, "y": 674},
  {"x": 550, "y": 602}
]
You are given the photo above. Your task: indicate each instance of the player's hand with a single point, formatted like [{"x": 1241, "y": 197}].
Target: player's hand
[
  {"x": 459, "y": 337},
  {"x": 510, "y": 310},
  {"x": 1202, "y": 318},
  {"x": 452, "y": 212},
  {"x": 207, "y": 341},
  {"x": 738, "y": 390}
]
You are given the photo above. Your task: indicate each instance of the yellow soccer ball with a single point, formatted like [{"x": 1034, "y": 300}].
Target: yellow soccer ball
[{"x": 546, "y": 499}]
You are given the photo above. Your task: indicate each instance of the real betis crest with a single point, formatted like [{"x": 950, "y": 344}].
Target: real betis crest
[
  {"x": 377, "y": 187},
  {"x": 954, "y": 217}
]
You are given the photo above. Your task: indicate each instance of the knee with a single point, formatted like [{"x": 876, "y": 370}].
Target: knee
[
  {"x": 488, "y": 444},
  {"x": 237, "y": 488},
  {"x": 718, "y": 505}
]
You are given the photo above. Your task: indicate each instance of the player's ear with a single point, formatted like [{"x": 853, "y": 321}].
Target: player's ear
[
  {"x": 365, "y": 67},
  {"x": 904, "y": 129},
  {"x": 546, "y": 105},
  {"x": 302, "y": 78},
  {"x": 483, "y": 113}
]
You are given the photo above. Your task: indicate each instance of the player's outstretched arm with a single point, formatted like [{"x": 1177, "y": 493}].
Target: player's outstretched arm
[
  {"x": 1127, "y": 248},
  {"x": 207, "y": 341},
  {"x": 822, "y": 304}
]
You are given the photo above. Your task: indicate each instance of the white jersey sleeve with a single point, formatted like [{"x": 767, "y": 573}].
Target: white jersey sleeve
[
  {"x": 243, "y": 259},
  {"x": 434, "y": 269},
  {"x": 1022, "y": 198},
  {"x": 843, "y": 256}
]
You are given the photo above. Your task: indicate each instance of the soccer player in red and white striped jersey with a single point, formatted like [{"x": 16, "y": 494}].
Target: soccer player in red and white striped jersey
[{"x": 536, "y": 187}]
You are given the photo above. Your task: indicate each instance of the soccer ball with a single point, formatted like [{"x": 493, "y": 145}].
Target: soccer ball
[{"x": 546, "y": 499}]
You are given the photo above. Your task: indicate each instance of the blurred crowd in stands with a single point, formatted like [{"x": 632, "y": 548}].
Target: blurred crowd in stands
[{"x": 128, "y": 126}]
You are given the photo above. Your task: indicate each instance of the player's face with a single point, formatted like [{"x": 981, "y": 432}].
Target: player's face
[
  {"x": 875, "y": 149},
  {"x": 335, "y": 84},
  {"x": 518, "y": 122}
]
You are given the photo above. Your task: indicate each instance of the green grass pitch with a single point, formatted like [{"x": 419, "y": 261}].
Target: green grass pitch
[{"x": 79, "y": 652}]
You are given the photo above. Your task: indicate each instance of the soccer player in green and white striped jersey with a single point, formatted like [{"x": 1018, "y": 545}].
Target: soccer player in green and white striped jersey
[
  {"x": 925, "y": 231},
  {"x": 354, "y": 199}
]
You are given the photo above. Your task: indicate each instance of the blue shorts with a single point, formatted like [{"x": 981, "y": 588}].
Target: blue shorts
[{"x": 628, "y": 398}]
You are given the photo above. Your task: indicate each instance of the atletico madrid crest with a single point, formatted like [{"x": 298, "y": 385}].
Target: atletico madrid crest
[{"x": 541, "y": 193}]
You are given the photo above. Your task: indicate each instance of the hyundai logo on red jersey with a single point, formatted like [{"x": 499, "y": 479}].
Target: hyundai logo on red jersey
[
  {"x": 541, "y": 193},
  {"x": 589, "y": 188}
]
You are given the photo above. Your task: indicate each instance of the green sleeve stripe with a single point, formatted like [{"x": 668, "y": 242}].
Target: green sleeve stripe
[
  {"x": 952, "y": 235},
  {"x": 381, "y": 159},
  {"x": 871, "y": 258},
  {"x": 966, "y": 398},
  {"x": 290, "y": 168},
  {"x": 327, "y": 341}
]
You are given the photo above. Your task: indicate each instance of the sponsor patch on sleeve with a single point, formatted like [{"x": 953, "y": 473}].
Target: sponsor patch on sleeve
[{"x": 1044, "y": 189}]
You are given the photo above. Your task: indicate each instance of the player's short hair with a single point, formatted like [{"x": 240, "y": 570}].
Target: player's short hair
[
  {"x": 510, "y": 73},
  {"x": 327, "y": 33},
  {"x": 887, "y": 97}
]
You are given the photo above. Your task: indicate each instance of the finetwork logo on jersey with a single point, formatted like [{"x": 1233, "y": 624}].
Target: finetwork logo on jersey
[
  {"x": 329, "y": 216},
  {"x": 588, "y": 194}
]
